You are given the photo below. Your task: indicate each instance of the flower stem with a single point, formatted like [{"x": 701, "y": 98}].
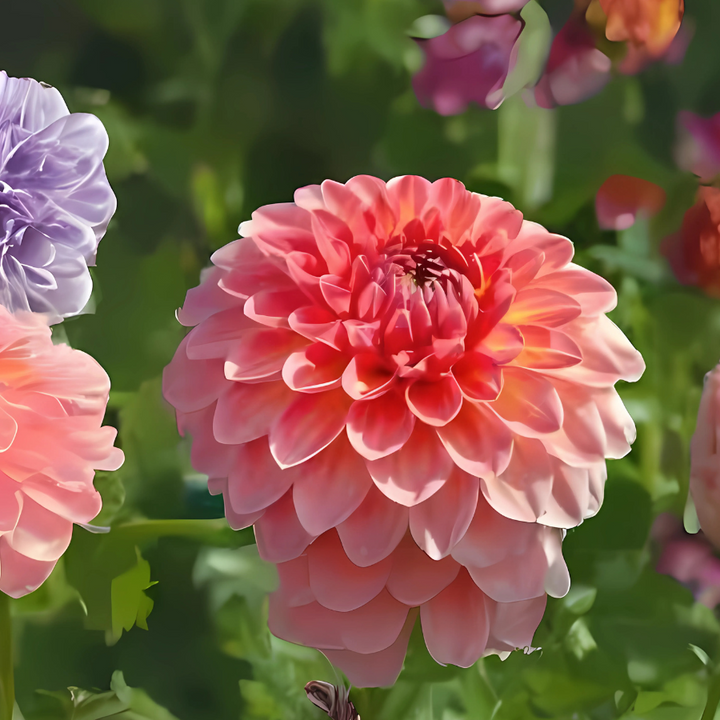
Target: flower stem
[
  {"x": 7, "y": 680},
  {"x": 713, "y": 699}
]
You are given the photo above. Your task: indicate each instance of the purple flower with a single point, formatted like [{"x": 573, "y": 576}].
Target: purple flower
[
  {"x": 468, "y": 63},
  {"x": 55, "y": 200},
  {"x": 698, "y": 148}
]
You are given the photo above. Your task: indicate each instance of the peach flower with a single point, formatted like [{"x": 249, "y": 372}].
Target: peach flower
[
  {"x": 694, "y": 252},
  {"x": 52, "y": 403},
  {"x": 651, "y": 24},
  {"x": 621, "y": 198},
  {"x": 705, "y": 460},
  {"x": 384, "y": 363}
]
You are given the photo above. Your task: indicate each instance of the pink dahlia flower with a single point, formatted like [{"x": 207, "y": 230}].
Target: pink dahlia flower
[
  {"x": 621, "y": 198},
  {"x": 705, "y": 459},
  {"x": 468, "y": 64},
  {"x": 52, "y": 402},
  {"x": 576, "y": 70},
  {"x": 698, "y": 148},
  {"x": 487, "y": 597},
  {"x": 384, "y": 358}
]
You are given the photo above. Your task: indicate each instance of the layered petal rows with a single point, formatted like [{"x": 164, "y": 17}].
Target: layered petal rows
[
  {"x": 408, "y": 389},
  {"x": 52, "y": 403},
  {"x": 55, "y": 200}
]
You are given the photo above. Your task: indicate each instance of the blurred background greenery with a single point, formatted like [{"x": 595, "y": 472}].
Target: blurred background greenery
[{"x": 215, "y": 107}]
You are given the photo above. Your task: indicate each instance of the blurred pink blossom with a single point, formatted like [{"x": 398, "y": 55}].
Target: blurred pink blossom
[
  {"x": 688, "y": 558},
  {"x": 621, "y": 198},
  {"x": 576, "y": 70},
  {"x": 468, "y": 64},
  {"x": 698, "y": 148},
  {"x": 52, "y": 403}
]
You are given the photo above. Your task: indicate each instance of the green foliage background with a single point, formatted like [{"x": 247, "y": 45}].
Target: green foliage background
[{"x": 215, "y": 107}]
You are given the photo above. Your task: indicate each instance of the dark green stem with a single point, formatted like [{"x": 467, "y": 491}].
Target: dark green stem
[
  {"x": 7, "y": 680},
  {"x": 713, "y": 699}
]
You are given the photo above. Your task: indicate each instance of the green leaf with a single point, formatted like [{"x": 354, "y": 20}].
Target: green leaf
[{"x": 130, "y": 605}]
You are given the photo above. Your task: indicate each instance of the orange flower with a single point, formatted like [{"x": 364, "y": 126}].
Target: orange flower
[{"x": 649, "y": 23}]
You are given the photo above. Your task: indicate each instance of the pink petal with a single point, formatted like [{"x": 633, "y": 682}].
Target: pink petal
[
  {"x": 539, "y": 306},
  {"x": 492, "y": 537},
  {"x": 477, "y": 441},
  {"x": 316, "y": 323},
  {"x": 439, "y": 523},
  {"x": 216, "y": 336},
  {"x": 607, "y": 354},
  {"x": 20, "y": 575},
  {"x": 378, "y": 669},
  {"x": 514, "y": 624},
  {"x": 522, "y": 492},
  {"x": 255, "y": 481},
  {"x": 280, "y": 536},
  {"x": 435, "y": 403},
  {"x": 272, "y": 307},
  {"x": 545, "y": 348},
  {"x": 78, "y": 504},
  {"x": 330, "y": 488},
  {"x": 380, "y": 426},
  {"x": 308, "y": 426},
  {"x": 205, "y": 300},
  {"x": 294, "y": 582},
  {"x": 39, "y": 534},
  {"x": 594, "y": 294},
  {"x": 455, "y": 623},
  {"x": 367, "y": 375},
  {"x": 261, "y": 354},
  {"x": 315, "y": 368},
  {"x": 502, "y": 344},
  {"x": 528, "y": 399},
  {"x": 8, "y": 430},
  {"x": 373, "y": 531},
  {"x": 478, "y": 377},
  {"x": 246, "y": 412},
  {"x": 190, "y": 385},
  {"x": 415, "y": 578},
  {"x": 236, "y": 521},
  {"x": 511, "y": 581},
  {"x": 336, "y": 582},
  {"x": 414, "y": 473}
]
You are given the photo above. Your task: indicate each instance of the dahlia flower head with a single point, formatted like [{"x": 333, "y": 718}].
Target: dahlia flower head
[
  {"x": 408, "y": 390},
  {"x": 55, "y": 200},
  {"x": 52, "y": 403}
]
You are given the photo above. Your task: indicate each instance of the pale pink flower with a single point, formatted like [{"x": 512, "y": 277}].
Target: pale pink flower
[
  {"x": 705, "y": 460},
  {"x": 576, "y": 70},
  {"x": 621, "y": 198},
  {"x": 458, "y": 10},
  {"x": 468, "y": 64},
  {"x": 487, "y": 597},
  {"x": 52, "y": 403},
  {"x": 698, "y": 148}
]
